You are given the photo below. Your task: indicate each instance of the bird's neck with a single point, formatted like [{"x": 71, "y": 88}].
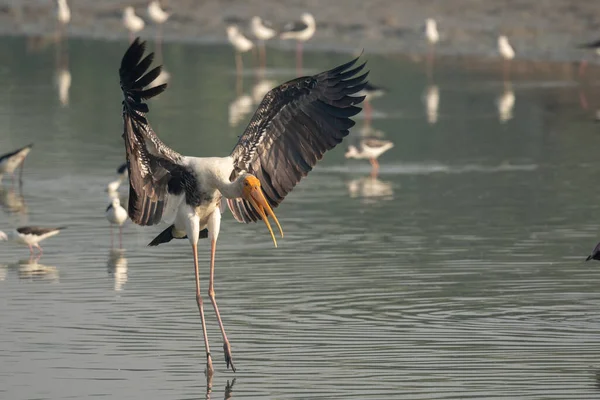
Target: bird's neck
[{"x": 230, "y": 190}]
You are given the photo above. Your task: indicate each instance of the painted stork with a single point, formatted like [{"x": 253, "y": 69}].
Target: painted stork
[
  {"x": 30, "y": 236},
  {"x": 507, "y": 53},
  {"x": 301, "y": 31},
  {"x": 263, "y": 31},
  {"x": 11, "y": 161},
  {"x": 295, "y": 124},
  {"x": 132, "y": 22}
]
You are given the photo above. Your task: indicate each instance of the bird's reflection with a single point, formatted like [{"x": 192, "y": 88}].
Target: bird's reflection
[
  {"x": 370, "y": 189},
  {"x": 117, "y": 268},
  {"x": 228, "y": 388},
  {"x": 31, "y": 269},
  {"x": 261, "y": 88},
  {"x": 3, "y": 272},
  {"x": 63, "y": 75},
  {"x": 505, "y": 104},
  {"x": 12, "y": 200},
  {"x": 239, "y": 108},
  {"x": 431, "y": 99}
]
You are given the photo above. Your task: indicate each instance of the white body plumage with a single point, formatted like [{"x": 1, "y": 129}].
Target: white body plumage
[
  {"x": 431, "y": 32},
  {"x": 241, "y": 43},
  {"x": 115, "y": 213},
  {"x": 260, "y": 30},
  {"x": 156, "y": 13},
  {"x": 304, "y": 34},
  {"x": 132, "y": 22},
  {"x": 63, "y": 14},
  {"x": 505, "y": 49}
]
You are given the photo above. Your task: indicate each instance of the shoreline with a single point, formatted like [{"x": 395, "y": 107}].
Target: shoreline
[{"x": 539, "y": 31}]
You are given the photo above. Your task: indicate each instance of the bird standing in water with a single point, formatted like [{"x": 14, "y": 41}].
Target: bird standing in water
[{"x": 294, "y": 125}]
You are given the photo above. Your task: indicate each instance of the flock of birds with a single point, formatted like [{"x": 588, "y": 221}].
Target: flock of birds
[{"x": 293, "y": 126}]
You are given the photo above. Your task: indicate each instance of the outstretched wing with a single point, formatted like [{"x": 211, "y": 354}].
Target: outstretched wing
[
  {"x": 155, "y": 173},
  {"x": 295, "y": 124}
]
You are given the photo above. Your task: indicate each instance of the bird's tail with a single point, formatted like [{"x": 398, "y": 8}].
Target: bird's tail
[
  {"x": 167, "y": 235},
  {"x": 589, "y": 258},
  {"x": 60, "y": 228}
]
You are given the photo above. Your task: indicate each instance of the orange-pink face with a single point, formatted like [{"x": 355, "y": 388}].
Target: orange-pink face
[{"x": 253, "y": 193}]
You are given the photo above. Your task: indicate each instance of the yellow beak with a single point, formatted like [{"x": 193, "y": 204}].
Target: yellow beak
[{"x": 262, "y": 207}]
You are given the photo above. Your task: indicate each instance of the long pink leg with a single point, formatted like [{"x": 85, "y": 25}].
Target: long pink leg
[
  {"x": 582, "y": 66},
  {"x": 209, "y": 367},
  {"x": 31, "y": 250},
  {"x": 112, "y": 239},
  {"x": 368, "y": 111},
  {"x": 375, "y": 166},
  {"x": 120, "y": 236},
  {"x": 211, "y": 294}
]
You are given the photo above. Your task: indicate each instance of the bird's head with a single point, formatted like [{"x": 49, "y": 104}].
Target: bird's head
[
  {"x": 3, "y": 236},
  {"x": 308, "y": 18},
  {"x": 351, "y": 152},
  {"x": 252, "y": 193},
  {"x": 232, "y": 30},
  {"x": 129, "y": 11}
]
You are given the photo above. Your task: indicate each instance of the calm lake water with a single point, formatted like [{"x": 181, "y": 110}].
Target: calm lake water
[{"x": 457, "y": 273}]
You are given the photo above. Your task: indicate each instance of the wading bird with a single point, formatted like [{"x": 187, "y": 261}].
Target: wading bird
[
  {"x": 116, "y": 215},
  {"x": 30, "y": 236},
  {"x": 301, "y": 31},
  {"x": 595, "y": 46},
  {"x": 371, "y": 92},
  {"x": 11, "y": 161},
  {"x": 263, "y": 31},
  {"x": 295, "y": 124},
  {"x": 241, "y": 44},
  {"x": 113, "y": 186},
  {"x": 507, "y": 53},
  {"x": 370, "y": 149},
  {"x": 63, "y": 15},
  {"x": 433, "y": 36},
  {"x": 132, "y": 22}
]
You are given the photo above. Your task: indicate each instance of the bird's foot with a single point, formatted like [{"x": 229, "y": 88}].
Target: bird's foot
[
  {"x": 209, "y": 367},
  {"x": 228, "y": 359}
]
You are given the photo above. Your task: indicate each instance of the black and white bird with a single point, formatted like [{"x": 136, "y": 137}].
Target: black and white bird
[
  {"x": 63, "y": 13},
  {"x": 369, "y": 149},
  {"x": 113, "y": 186},
  {"x": 371, "y": 92},
  {"x": 263, "y": 31},
  {"x": 30, "y": 236},
  {"x": 116, "y": 215},
  {"x": 295, "y": 124},
  {"x": 300, "y": 31},
  {"x": 240, "y": 43},
  {"x": 156, "y": 13},
  {"x": 595, "y": 254},
  {"x": 508, "y": 53},
  {"x": 132, "y": 22},
  {"x": 11, "y": 161},
  {"x": 595, "y": 47}
]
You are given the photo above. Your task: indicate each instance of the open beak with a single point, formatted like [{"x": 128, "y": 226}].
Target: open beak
[{"x": 261, "y": 205}]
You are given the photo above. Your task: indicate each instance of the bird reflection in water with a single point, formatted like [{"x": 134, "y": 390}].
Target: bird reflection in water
[
  {"x": 431, "y": 99},
  {"x": 239, "y": 108},
  {"x": 505, "y": 103},
  {"x": 228, "y": 388},
  {"x": 117, "y": 268},
  {"x": 370, "y": 189},
  {"x": 63, "y": 74},
  {"x": 3, "y": 272},
  {"x": 31, "y": 269},
  {"x": 13, "y": 201}
]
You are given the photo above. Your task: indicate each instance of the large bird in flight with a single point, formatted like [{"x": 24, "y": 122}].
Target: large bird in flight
[{"x": 294, "y": 125}]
